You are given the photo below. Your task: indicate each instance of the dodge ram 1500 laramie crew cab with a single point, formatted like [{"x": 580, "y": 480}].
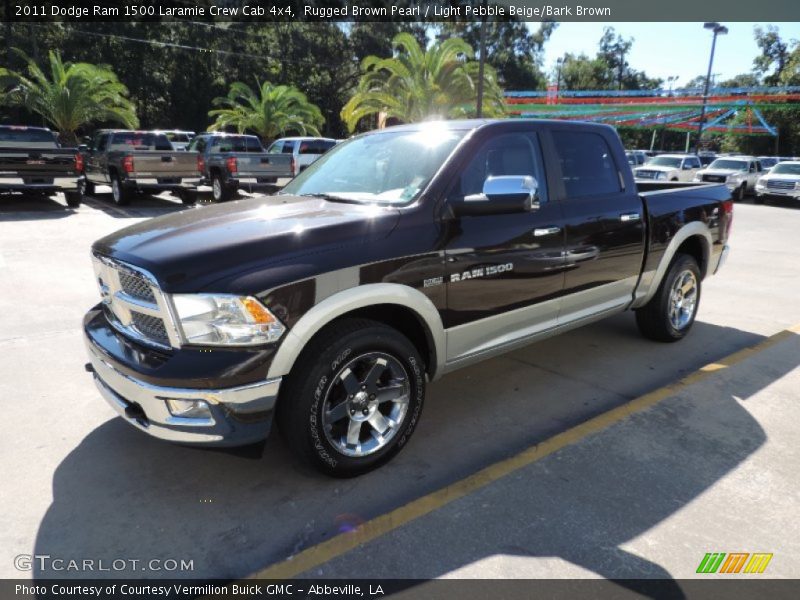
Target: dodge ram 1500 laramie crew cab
[{"x": 398, "y": 256}]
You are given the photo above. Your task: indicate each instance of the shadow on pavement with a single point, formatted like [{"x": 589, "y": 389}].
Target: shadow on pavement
[
  {"x": 24, "y": 207},
  {"x": 120, "y": 494},
  {"x": 142, "y": 205}
]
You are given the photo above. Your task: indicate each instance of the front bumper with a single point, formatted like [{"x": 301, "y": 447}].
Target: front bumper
[
  {"x": 238, "y": 415},
  {"x": 773, "y": 193},
  {"x": 723, "y": 256}
]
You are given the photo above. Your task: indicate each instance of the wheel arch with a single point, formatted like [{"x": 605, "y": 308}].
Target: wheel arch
[
  {"x": 396, "y": 305},
  {"x": 694, "y": 239}
]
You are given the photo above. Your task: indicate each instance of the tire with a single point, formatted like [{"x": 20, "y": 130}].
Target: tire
[
  {"x": 757, "y": 199},
  {"x": 85, "y": 187},
  {"x": 73, "y": 199},
  {"x": 187, "y": 197},
  {"x": 119, "y": 193},
  {"x": 219, "y": 191},
  {"x": 740, "y": 191},
  {"x": 667, "y": 317},
  {"x": 380, "y": 361}
]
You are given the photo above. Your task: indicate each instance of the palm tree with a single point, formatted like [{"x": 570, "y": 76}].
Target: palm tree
[
  {"x": 417, "y": 84},
  {"x": 270, "y": 112},
  {"x": 71, "y": 95}
]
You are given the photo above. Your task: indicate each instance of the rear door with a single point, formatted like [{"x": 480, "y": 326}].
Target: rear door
[
  {"x": 605, "y": 235},
  {"x": 504, "y": 273}
]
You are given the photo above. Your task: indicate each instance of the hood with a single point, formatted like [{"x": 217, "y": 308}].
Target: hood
[
  {"x": 658, "y": 168},
  {"x": 781, "y": 177},
  {"x": 188, "y": 250},
  {"x": 722, "y": 172}
]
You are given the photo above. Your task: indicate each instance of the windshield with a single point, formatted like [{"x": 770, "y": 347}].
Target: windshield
[
  {"x": 391, "y": 166},
  {"x": 768, "y": 162},
  {"x": 631, "y": 158},
  {"x": 786, "y": 169},
  {"x": 734, "y": 165},
  {"x": 665, "y": 161}
]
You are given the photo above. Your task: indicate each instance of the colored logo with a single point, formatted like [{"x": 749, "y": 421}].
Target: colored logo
[{"x": 734, "y": 562}]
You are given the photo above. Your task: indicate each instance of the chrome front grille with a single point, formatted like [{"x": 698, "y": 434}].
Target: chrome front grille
[
  {"x": 134, "y": 304},
  {"x": 150, "y": 327},
  {"x": 780, "y": 184},
  {"x": 136, "y": 286},
  {"x": 643, "y": 174},
  {"x": 715, "y": 178}
]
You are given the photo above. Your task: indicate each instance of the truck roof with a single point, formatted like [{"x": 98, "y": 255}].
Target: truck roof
[
  {"x": 469, "y": 124},
  {"x": 25, "y": 128}
]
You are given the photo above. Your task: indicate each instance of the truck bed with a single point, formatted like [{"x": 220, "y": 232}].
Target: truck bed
[{"x": 163, "y": 166}]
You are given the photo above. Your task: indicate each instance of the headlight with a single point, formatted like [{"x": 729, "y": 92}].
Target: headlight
[
  {"x": 797, "y": 185},
  {"x": 661, "y": 175},
  {"x": 761, "y": 183},
  {"x": 226, "y": 320},
  {"x": 734, "y": 178},
  {"x": 698, "y": 177}
]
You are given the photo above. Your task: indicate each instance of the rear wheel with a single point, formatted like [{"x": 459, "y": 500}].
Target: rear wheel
[
  {"x": 354, "y": 398},
  {"x": 219, "y": 191},
  {"x": 187, "y": 197},
  {"x": 121, "y": 195},
  {"x": 73, "y": 199},
  {"x": 85, "y": 187},
  {"x": 670, "y": 314}
]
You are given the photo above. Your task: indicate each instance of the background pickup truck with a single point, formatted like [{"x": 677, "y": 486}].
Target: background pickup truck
[
  {"x": 398, "y": 256},
  {"x": 32, "y": 162},
  {"x": 229, "y": 161},
  {"x": 137, "y": 161}
]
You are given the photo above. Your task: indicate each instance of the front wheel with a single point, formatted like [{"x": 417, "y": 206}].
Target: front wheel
[
  {"x": 353, "y": 399},
  {"x": 670, "y": 314},
  {"x": 739, "y": 195}
]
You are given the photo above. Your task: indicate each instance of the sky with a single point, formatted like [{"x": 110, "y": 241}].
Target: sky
[{"x": 668, "y": 49}]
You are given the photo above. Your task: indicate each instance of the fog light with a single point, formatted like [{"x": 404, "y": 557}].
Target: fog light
[{"x": 188, "y": 409}]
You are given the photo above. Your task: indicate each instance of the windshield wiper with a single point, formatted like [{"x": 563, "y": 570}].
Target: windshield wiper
[{"x": 331, "y": 198}]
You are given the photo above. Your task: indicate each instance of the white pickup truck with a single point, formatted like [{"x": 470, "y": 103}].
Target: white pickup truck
[
  {"x": 739, "y": 173},
  {"x": 669, "y": 167}
]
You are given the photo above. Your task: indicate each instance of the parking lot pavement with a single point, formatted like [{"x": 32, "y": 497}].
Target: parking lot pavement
[
  {"x": 712, "y": 467},
  {"x": 79, "y": 483}
]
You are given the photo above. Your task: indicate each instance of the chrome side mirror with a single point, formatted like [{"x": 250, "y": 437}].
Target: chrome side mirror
[{"x": 503, "y": 194}]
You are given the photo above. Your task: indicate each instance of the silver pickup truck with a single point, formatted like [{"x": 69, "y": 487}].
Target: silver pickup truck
[
  {"x": 228, "y": 162},
  {"x": 138, "y": 161}
]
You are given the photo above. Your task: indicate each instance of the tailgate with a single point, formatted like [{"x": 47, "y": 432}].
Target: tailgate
[
  {"x": 36, "y": 163},
  {"x": 263, "y": 165},
  {"x": 163, "y": 165}
]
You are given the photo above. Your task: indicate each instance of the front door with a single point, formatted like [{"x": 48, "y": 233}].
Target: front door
[{"x": 504, "y": 273}]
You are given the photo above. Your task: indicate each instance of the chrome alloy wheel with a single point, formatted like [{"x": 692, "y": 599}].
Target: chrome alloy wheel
[
  {"x": 683, "y": 299},
  {"x": 366, "y": 404},
  {"x": 116, "y": 190}
]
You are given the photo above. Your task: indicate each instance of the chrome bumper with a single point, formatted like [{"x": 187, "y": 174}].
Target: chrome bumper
[
  {"x": 186, "y": 182},
  {"x": 61, "y": 183},
  {"x": 239, "y": 416},
  {"x": 792, "y": 194}
]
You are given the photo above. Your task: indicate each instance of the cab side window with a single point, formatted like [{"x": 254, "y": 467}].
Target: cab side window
[
  {"x": 587, "y": 167},
  {"x": 505, "y": 154}
]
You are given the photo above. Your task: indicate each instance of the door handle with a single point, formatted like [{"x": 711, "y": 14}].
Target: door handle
[
  {"x": 628, "y": 217},
  {"x": 540, "y": 232}
]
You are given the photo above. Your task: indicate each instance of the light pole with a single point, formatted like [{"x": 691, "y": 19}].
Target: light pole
[
  {"x": 559, "y": 64},
  {"x": 718, "y": 30},
  {"x": 482, "y": 62}
]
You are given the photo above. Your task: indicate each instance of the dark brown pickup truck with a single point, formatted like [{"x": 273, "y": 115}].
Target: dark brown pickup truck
[{"x": 400, "y": 255}]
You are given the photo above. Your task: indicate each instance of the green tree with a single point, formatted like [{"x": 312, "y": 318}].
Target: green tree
[
  {"x": 271, "y": 111},
  {"x": 70, "y": 95},
  {"x": 774, "y": 54},
  {"x": 515, "y": 52},
  {"x": 416, "y": 84}
]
